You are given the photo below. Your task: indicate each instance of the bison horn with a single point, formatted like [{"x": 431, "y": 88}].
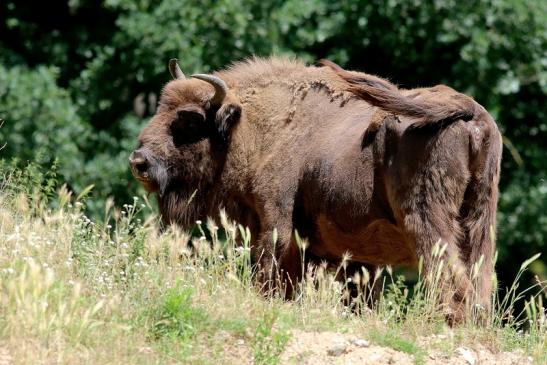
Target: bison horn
[
  {"x": 175, "y": 70},
  {"x": 220, "y": 87}
]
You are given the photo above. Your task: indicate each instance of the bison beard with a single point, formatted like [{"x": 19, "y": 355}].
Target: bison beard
[
  {"x": 176, "y": 207},
  {"x": 350, "y": 161}
]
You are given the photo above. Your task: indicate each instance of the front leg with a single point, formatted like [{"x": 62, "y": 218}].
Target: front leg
[{"x": 278, "y": 255}]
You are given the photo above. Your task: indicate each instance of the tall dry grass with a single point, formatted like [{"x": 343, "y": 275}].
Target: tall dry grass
[{"x": 119, "y": 290}]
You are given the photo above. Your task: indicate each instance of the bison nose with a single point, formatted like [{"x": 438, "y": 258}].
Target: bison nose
[{"x": 138, "y": 162}]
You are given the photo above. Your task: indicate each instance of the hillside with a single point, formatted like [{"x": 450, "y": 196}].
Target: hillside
[{"x": 119, "y": 291}]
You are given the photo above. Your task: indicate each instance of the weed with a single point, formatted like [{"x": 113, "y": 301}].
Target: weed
[
  {"x": 269, "y": 340},
  {"x": 176, "y": 317},
  {"x": 393, "y": 340}
]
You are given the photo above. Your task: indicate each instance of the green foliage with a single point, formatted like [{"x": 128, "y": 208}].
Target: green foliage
[
  {"x": 268, "y": 342},
  {"x": 79, "y": 87},
  {"x": 391, "y": 339},
  {"x": 36, "y": 184},
  {"x": 31, "y": 180},
  {"x": 523, "y": 220},
  {"x": 177, "y": 317},
  {"x": 40, "y": 122}
]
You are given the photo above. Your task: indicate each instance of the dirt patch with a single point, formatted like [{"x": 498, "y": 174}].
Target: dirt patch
[
  {"x": 311, "y": 348},
  {"x": 466, "y": 356},
  {"x": 335, "y": 348},
  {"x": 5, "y": 357}
]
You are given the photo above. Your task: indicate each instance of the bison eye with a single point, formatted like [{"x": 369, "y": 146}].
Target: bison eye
[{"x": 189, "y": 127}]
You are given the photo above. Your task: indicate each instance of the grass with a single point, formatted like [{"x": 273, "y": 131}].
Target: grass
[
  {"x": 394, "y": 340},
  {"x": 119, "y": 291}
]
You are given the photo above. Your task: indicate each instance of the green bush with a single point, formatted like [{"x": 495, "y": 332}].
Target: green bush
[
  {"x": 177, "y": 317},
  {"x": 40, "y": 121},
  {"x": 522, "y": 222}
]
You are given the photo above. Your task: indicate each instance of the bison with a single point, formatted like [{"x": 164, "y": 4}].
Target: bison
[{"x": 346, "y": 159}]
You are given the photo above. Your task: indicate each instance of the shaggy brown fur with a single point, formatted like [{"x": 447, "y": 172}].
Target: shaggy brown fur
[{"x": 295, "y": 154}]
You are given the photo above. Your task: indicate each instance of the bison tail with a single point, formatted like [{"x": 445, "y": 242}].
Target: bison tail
[
  {"x": 478, "y": 214},
  {"x": 432, "y": 107}
]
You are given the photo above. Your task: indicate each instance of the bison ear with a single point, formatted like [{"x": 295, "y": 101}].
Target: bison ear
[{"x": 226, "y": 117}]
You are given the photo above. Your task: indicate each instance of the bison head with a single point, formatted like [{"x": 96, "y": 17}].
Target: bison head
[{"x": 182, "y": 149}]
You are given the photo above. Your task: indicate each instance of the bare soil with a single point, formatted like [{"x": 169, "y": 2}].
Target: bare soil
[
  {"x": 311, "y": 348},
  {"x": 314, "y": 348}
]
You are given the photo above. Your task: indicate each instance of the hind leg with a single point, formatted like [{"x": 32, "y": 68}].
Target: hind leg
[
  {"x": 478, "y": 216},
  {"x": 426, "y": 187},
  {"x": 478, "y": 222},
  {"x": 434, "y": 231}
]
